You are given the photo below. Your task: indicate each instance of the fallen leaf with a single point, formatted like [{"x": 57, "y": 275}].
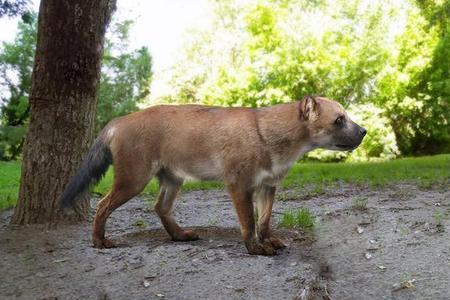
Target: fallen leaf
[{"x": 408, "y": 284}]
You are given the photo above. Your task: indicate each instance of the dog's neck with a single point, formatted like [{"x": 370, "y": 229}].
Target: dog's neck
[
  {"x": 280, "y": 126},
  {"x": 282, "y": 131}
]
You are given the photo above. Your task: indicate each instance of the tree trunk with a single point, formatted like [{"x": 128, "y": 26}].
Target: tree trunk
[{"x": 62, "y": 104}]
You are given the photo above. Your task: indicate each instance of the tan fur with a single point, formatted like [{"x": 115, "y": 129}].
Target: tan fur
[{"x": 250, "y": 150}]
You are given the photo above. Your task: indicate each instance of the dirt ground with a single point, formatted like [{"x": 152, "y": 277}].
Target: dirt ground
[{"x": 391, "y": 250}]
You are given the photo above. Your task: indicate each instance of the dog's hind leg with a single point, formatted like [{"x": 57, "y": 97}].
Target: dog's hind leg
[
  {"x": 264, "y": 200},
  {"x": 128, "y": 183},
  {"x": 168, "y": 190}
]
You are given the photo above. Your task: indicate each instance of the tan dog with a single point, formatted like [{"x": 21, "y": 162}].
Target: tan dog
[{"x": 250, "y": 149}]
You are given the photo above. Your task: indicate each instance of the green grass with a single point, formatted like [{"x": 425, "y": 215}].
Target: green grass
[
  {"x": 421, "y": 170},
  {"x": 438, "y": 216},
  {"x": 360, "y": 203},
  {"x": 299, "y": 218},
  {"x": 424, "y": 171},
  {"x": 9, "y": 183}
]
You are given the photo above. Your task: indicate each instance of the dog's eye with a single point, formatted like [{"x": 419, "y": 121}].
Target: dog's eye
[{"x": 339, "y": 121}]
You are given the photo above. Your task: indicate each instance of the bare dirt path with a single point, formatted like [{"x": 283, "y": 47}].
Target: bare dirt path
[{"x": 391, "y": 250}]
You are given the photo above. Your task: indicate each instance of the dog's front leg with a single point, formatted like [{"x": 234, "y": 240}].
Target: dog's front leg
[
  {"x": 242, "y": 199},
  {"x": 265, "y": 196}
]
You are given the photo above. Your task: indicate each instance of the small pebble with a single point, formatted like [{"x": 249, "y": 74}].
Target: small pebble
[{"x": 146, "y": 283}]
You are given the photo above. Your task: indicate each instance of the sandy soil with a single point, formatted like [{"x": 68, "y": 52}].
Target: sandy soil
[{"x": 391, "y": 250}]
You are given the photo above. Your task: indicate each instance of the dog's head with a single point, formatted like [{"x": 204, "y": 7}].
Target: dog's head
[{"x": 328, "y": 124}]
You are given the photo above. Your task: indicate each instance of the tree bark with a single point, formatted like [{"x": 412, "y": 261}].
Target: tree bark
[{"x": 62, "y": 104}]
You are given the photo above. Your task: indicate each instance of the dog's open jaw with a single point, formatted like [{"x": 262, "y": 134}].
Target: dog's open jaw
[{"x": 345, "y": 147}]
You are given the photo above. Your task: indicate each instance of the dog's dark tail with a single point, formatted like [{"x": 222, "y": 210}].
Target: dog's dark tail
[{"x": 91, "y": 171}]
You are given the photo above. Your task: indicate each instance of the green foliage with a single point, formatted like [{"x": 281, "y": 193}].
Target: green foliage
[
  {"x": 16, "y": 65},
  {"x": 299, "y": 218},
  {"x": 387, "y": 60},
  {"x": 126, "y": 76},
  {"x": 414, "y": 86},
  {"x": 275, "y": 51},
  {"x": 14, "y": 7},
  {"x": 125, "y": 81}
]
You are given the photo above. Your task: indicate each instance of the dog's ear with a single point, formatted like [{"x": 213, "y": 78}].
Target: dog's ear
[{"x": 308, "y": 107}]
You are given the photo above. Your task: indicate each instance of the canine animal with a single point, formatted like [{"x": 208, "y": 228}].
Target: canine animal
[{"x": 249, "y": 149}]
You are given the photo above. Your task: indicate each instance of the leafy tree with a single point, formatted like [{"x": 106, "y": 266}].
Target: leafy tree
[
  {"x": 414, "y": 86},
  {"x": 432, "y": 134},
  {"x": 124, "y": 82},
  {"x": 278, "y": 51},
  {"x": 382, "y": 53},
  {"x": 16, "y": 65},
  {"x": 126, "y": 76},
  {"x": 13, "y": 8},
  {"x": 274, "y": 51}
]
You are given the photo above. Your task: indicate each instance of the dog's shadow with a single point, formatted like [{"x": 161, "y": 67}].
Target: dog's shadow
[
  {"x": 213, "y": 237},
  {"x": 157, "y": 237}
]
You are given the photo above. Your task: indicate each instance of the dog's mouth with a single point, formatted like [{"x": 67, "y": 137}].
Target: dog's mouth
[{"x": 345, "y": 147}]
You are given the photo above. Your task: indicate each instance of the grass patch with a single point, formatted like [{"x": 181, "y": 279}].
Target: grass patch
[
  {"x": 140, "y": 224},
  {"x": 299, "y": 219},
  {"x": 360, "y": 203},
  {"x": 424, "y": 171},
  {"x": 9, "y": 183},
  {"x": 438, "y": 216}
]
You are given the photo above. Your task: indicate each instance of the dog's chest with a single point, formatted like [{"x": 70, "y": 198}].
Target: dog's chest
[
  {"x": 279, "y": 167},
  {"x": 273, "y": 175}
]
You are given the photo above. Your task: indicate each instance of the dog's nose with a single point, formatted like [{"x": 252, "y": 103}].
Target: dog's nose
[{"x": 363, "y": 131}]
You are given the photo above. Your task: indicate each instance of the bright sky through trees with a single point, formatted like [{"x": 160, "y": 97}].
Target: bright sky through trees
[{"x": 159, "y": 25}]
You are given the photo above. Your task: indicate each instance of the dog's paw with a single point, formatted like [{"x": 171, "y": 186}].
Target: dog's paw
[
  {"x": 103, "y": 243},
  {"x": 276, "y": 243},
  {"x": 255, "y": 247},
  {"x": 185, "y": 235}
]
